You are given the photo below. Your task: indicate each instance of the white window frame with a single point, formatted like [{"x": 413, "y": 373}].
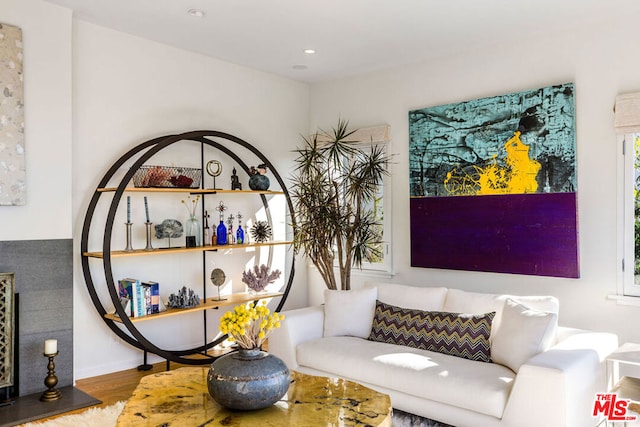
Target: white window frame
[
  {"x": 386, "y": 265},
  {"x": 627, "y": 125},
  {"x": 627, "y": 264},
  {"x": 378, "y": 135}
]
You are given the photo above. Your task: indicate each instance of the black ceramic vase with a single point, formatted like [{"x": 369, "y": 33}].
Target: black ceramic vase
[
  {"x": 259, "y": 182},
  {"x": 248, "y": 379}
]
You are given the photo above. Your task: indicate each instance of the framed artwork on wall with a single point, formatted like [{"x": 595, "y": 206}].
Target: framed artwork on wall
[
  {"x": 12, "y": 160},
  {"x": 493, "y": 184}
]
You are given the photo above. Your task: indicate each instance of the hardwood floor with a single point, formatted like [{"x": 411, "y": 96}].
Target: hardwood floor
[
  {"x": 117, "y": 386},
  {"x": 111, "y": 388},
  {"x": 114, "y": 387}
]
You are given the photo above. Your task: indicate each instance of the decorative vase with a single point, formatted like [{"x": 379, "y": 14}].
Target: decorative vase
[
  {"x": 192, "y": 232},
  {"x": 248, "y": 379},
  {"x": 221, "y": 234},
  {"x": 259, "y": 182},
  {"x": 239, "y": 235}
]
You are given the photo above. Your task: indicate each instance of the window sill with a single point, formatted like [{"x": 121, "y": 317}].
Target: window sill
[
  {"x": 625, "y": 300},
  {"x": 372, "y": 273}
]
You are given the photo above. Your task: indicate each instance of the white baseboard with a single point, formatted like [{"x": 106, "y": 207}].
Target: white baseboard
[{"x": 115, "y": 366}]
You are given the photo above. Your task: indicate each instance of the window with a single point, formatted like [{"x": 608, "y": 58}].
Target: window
[
  {"x": 631, "y": 234},
  {"x": 378, "y": 138},
  {"x": 627, "y": 119},
  {"x": 381, "y": 207}
]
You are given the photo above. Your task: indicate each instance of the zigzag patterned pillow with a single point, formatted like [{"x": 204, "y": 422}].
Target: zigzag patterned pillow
[{"x": 455, "y": 334}]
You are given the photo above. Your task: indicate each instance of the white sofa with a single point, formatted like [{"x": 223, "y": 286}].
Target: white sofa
[{"x": 540, "y": 374}]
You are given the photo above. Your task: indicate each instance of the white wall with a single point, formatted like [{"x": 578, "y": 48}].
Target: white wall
[
  {"x": 46, "y": 36},
  {"x": 601, "y": 66},
  {"x": 128, "y": 90}
]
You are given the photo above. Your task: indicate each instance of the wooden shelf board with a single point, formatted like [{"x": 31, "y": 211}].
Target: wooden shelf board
[
  {"x": 210, "y": 303},
  {"x": 164, "y": 251},
  {"x": 187, "y": 190}
]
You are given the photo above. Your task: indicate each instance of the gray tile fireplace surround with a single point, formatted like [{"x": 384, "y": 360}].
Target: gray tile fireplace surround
[{"x": 44, "y": 279}]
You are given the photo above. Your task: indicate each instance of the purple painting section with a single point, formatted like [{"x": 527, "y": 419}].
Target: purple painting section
[{"x": 534, "y": 234}]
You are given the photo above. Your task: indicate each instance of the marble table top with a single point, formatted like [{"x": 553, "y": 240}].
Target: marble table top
[{"x": 181, "y": 398}]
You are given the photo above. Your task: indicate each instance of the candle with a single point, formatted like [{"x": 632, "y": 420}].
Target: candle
[
  {"x": 128, "y": 209},
  {"x": 146, "y": 208},
  {"x": 50, "y": 346}
]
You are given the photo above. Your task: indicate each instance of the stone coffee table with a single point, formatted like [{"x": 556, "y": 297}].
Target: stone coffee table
[{"x": 181, "y": 398}]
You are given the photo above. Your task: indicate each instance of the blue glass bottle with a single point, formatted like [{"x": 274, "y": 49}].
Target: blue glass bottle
[
  {"x": 221, "y": 234},
  {"x": 239, "y": 235}
]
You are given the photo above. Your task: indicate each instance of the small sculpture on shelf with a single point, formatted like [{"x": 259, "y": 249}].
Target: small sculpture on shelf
[
  {"x": 259, "y": 181},
  {"x": 258, "y": 278},
  {"x": 169, "y": 229},
  {"x": 186, "y": 298},
  {"x": 261, "y": 231},
  {"x": 218, "y": 278},
  {"x": 214, "y": 168},
  {"x": 206, "y": 240},
  {"x": 235, "y": 181}
]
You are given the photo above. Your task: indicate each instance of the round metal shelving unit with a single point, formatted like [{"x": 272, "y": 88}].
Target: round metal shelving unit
[{"x": 140, "y": 154}]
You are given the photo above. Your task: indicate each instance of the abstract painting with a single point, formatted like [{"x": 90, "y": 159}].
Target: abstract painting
[
  {"x": 12, "y": 161},
  {"x": 493, "y": 184}
]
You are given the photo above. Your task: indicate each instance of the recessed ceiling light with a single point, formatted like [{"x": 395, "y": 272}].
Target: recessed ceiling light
[
  {"x": 310, "y": 51},
  {"x": 300, "y": 67},
  {"x": 196, "y": 12}
]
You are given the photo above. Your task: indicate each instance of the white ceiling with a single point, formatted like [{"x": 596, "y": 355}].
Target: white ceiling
[{"x": 350, "y": 36}]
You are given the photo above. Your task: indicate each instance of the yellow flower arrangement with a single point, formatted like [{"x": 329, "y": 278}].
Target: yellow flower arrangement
[{"x": 250, "y": 325}]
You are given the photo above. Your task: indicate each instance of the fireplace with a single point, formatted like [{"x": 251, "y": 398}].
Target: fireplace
[
  {"x": 8, "y": 349},
  {"x": 43, "y": 285},
  {"x": 43, "y": 277}
]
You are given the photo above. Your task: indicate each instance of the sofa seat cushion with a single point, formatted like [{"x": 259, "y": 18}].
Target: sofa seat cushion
[{"x": 476, "y": 386}]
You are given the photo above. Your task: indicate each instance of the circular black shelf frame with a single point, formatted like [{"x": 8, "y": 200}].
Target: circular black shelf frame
[{"x": 145, "y": 151}]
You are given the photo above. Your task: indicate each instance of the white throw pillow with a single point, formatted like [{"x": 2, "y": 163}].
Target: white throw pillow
[
  {"x": 522, "y": 334},
  {"x": 349, "y": 313}
]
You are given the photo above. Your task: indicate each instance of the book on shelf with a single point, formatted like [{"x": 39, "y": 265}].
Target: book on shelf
[
  {"x": 152, "y": 297},
  {"x": 127, "y": 289},
  {"x": 135, "y": 292}
]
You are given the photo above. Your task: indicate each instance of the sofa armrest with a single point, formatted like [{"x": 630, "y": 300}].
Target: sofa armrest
[
  {"x": 298, "y": 326},
  {"x": 558, "y": 387}
]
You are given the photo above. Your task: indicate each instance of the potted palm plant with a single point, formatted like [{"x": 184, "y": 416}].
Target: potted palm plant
[{"x": 335, "y": 183}]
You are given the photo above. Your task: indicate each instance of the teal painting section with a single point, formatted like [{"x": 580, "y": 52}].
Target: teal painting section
[{"x": 470, "y": 136}]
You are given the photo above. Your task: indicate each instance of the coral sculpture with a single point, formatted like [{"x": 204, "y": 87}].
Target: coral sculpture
[{"x": 258, "y": 278}]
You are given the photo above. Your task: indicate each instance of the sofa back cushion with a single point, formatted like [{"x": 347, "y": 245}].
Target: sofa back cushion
[
  {"x": 416, "y": 297},
  {"x": 455, "y": 334},
  {"x": 349, "y": 313},
  {"x": 522, "y": 328},
  {"x": 522, "y": 334},
  {"x": 475, "y": 302}
]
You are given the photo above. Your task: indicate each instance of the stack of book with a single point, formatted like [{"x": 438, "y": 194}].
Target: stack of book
[{"x": 139, "y": 298}]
